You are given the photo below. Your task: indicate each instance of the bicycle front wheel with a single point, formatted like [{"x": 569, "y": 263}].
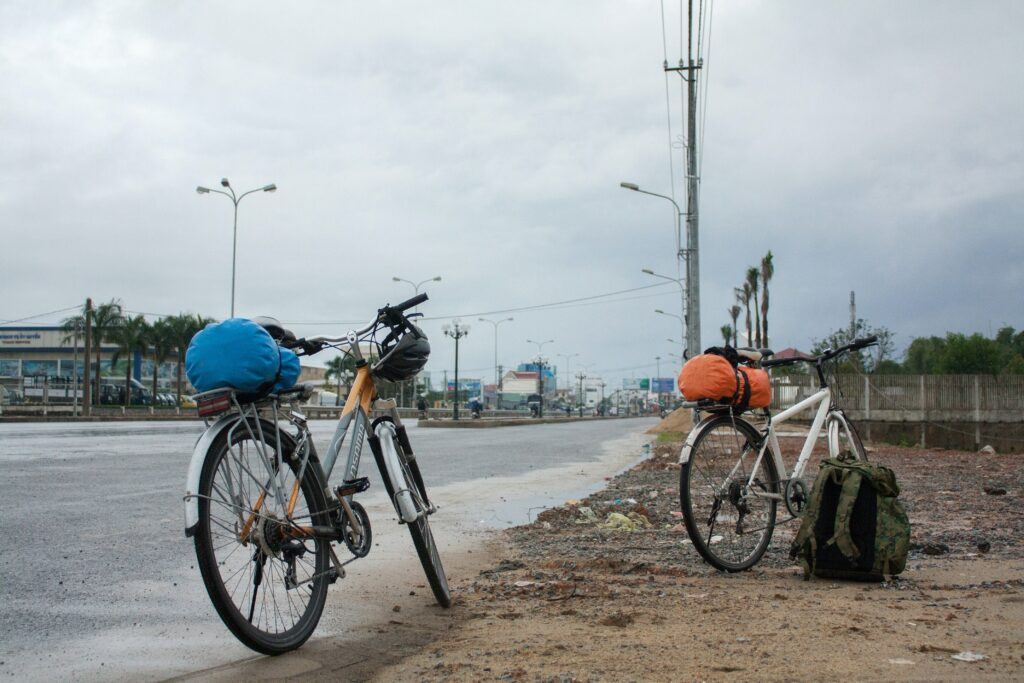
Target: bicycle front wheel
[
  {"x": 267, "y": 580},
  {"x": 422, "y": 536},
  {"x": 725, "y": 501}
]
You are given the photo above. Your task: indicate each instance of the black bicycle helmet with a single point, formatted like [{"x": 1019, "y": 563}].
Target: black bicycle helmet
[{"x": 402, "y": 359}]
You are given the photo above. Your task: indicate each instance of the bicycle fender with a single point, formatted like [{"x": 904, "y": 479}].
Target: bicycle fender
[
  {"x": 684, "y": 455},
  {"x": 195, "y": 469}
]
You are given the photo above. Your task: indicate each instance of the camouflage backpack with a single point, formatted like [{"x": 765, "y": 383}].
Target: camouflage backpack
[{"x": 853, "y": 527}]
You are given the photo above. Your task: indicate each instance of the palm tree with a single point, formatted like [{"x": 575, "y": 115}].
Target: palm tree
[
  {"x": 743, "y": 296},
  {"x": 105, "y": 319},
  {"x": 753, "y": 280},
  {"x": 341, "y": 368},
  {"x": 182, "y": 328},
  {"x": 734, "y": 313},
  {"x": 131, "y": 335},
  {"x": 163, "y": 343},
  {"x": 767, "y": 271},
  {"x": 727, "y": 333}
]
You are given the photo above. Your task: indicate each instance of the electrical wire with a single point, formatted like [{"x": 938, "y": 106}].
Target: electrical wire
[
  {"x": 41, "y": 315},
  {"x": 554, "y": 305},
  {"x": 668, "y": 106}
]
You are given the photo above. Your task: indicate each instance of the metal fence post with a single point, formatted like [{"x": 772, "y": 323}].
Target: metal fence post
[
  {"x": 924, "y": 414},
  {"x": 977, "y": 414}
]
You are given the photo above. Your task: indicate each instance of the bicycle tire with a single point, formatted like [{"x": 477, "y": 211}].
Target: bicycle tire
[
  {"x": 422, "y": 536},
  {"x": 313, "y": 494},
  {"x": 745, "y": 434}
]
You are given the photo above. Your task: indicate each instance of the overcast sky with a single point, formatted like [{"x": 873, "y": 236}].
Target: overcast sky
[{"x": 873, "y": 146}]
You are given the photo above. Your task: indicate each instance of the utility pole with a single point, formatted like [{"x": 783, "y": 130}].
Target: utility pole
[
  {"x": 456, "y": 331},
  {"x": 87, "y": 389},
  {"x": 540, "y": 386},
  {"x": 853, "y": 317},
  {"x": 580, "y": 376},
  {"x": 501, "y": 373},
  {"x": 688, "y": 70}
]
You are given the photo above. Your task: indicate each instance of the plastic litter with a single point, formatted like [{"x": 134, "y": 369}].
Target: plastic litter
[
  {"x": 968, "y": 656},
  {"x": 588, "y": 515},
  {"x": 631, "y": 522}
]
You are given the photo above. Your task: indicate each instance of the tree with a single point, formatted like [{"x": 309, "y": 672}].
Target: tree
[
  {"x": 753, "y": 281},
  {"x": 924, "y": 355},
  {"x": 163, "y": 343},
  {"x": 727, "y": 333},
  {"x": 73, "y": 328},
  {"x": 973, "y": 355},
  {"x": 341, "y": 368},
  {"x": 131, "y": 335},
  {"x": 106, "y": 318},
  {"x": 743, "y": 297},
  {"x": 734, "y": 313},
  {"x": 767, "y": 272},
  {"x": 182, "y": 328},
  {"x": 865, "y": 360}
]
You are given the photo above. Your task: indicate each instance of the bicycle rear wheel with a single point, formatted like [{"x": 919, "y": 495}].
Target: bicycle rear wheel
[
  {"x": 729, "y": 520},
  {"x": 267, "y": 583}
]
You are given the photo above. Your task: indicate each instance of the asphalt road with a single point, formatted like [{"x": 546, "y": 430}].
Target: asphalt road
[{"x": 97, "y": 579}]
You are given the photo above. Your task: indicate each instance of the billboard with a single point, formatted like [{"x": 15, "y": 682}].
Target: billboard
[
  {"x": 663, "y": 385},
  {"x": 467, "y": 387},
  {"x": 630, "y": 384}
]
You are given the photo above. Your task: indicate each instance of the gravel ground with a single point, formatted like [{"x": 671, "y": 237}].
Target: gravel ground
[{"x": 568, "y": 600}]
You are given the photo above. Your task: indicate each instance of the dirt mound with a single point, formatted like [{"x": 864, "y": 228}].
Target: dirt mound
[{"x": 679, "y": 420}]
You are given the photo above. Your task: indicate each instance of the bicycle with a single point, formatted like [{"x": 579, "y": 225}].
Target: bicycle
[
  {"x": 730, "y": 491},
  {"x": 257, "y": 501}
]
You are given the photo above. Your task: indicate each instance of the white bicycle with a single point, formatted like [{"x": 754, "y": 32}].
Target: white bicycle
[{"x": 733, "y": 476}]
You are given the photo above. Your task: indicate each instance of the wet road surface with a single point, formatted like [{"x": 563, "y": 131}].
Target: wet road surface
[{"x": 97, "y": 579}]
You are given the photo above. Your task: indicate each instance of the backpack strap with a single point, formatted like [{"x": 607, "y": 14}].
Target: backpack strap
[
  {"x": 805, "y": 544},
  {"x": 851, "y": 480}
]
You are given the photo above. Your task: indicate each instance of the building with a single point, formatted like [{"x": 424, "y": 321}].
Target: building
[
  {"x": 42, "y": 352},
  {"x": 34, "y": 356}
]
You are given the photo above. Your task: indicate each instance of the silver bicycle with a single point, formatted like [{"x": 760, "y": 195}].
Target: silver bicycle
[
  {"x": 733, "y": 476},
  {"x": 258, "y": 504}
]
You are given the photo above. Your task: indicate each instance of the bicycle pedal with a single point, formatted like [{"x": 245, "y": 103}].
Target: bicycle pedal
[
  {"x": 332, "y": 575},
  {"x": 353, "y": 487}
]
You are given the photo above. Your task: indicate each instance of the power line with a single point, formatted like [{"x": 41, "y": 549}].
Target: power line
[
  {"x": 41, "y": 315},
  {"x": 553, "y": 305}
]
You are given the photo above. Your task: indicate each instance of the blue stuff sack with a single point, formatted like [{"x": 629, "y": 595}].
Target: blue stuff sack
[
  {"x": 240, "y": 354},
  {"x": 290, "y": 370}
]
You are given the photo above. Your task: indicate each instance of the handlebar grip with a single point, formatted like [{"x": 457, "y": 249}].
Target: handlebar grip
[
  {"x": 865, "y": 341},
  {"x": 415, "y": 301}
]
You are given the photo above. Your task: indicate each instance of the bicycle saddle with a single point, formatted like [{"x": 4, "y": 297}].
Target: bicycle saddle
[
  {"x": 274, "y": 328},
  {"x": 753, "y": 355}
]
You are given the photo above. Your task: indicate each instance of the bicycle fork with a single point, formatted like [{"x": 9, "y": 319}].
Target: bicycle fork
[{"x": 382, "y": 445}]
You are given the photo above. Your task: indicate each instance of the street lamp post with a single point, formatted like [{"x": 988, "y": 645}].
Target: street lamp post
[
  {"x": 692, "y": 292},
  {"x": 497, "y": 376},
  {"x": 416, "y": 285},
  {"x": 416, "y": 289},
  {"x": 230, "y": 194},
  {"x": 540, "y": 373},
  {"x": 682, "y": 304},
  {"x": 568, "y": 372},
  {"x": 456, "y": 331}
]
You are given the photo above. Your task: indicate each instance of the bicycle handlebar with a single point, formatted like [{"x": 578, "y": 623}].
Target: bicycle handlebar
[
  {"x": 391, "y": 315},
  {"x": 829, "y": 354}
]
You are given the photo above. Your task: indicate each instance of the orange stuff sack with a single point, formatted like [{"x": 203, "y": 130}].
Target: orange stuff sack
[
  {"x": 709, "y": 376},
  {"x": 712, "y": 376},
  {"x": 760, "y": 387}
]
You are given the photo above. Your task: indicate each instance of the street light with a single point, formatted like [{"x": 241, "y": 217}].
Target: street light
[
  {"x": 568, "y": 358},
  {"x": 235, "y": 199},
  {"x": 679, "y": 212},
  {"x": 497, "y": 375},
  {"x": 416, "y": 285},
  {"x": 456, "y": 331},
  {"x": 540, "y": 373},
  {"x": 582, "y": 375},
  {"x": 682, "y": 302},
  {"x": 692, "y": 294}
]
